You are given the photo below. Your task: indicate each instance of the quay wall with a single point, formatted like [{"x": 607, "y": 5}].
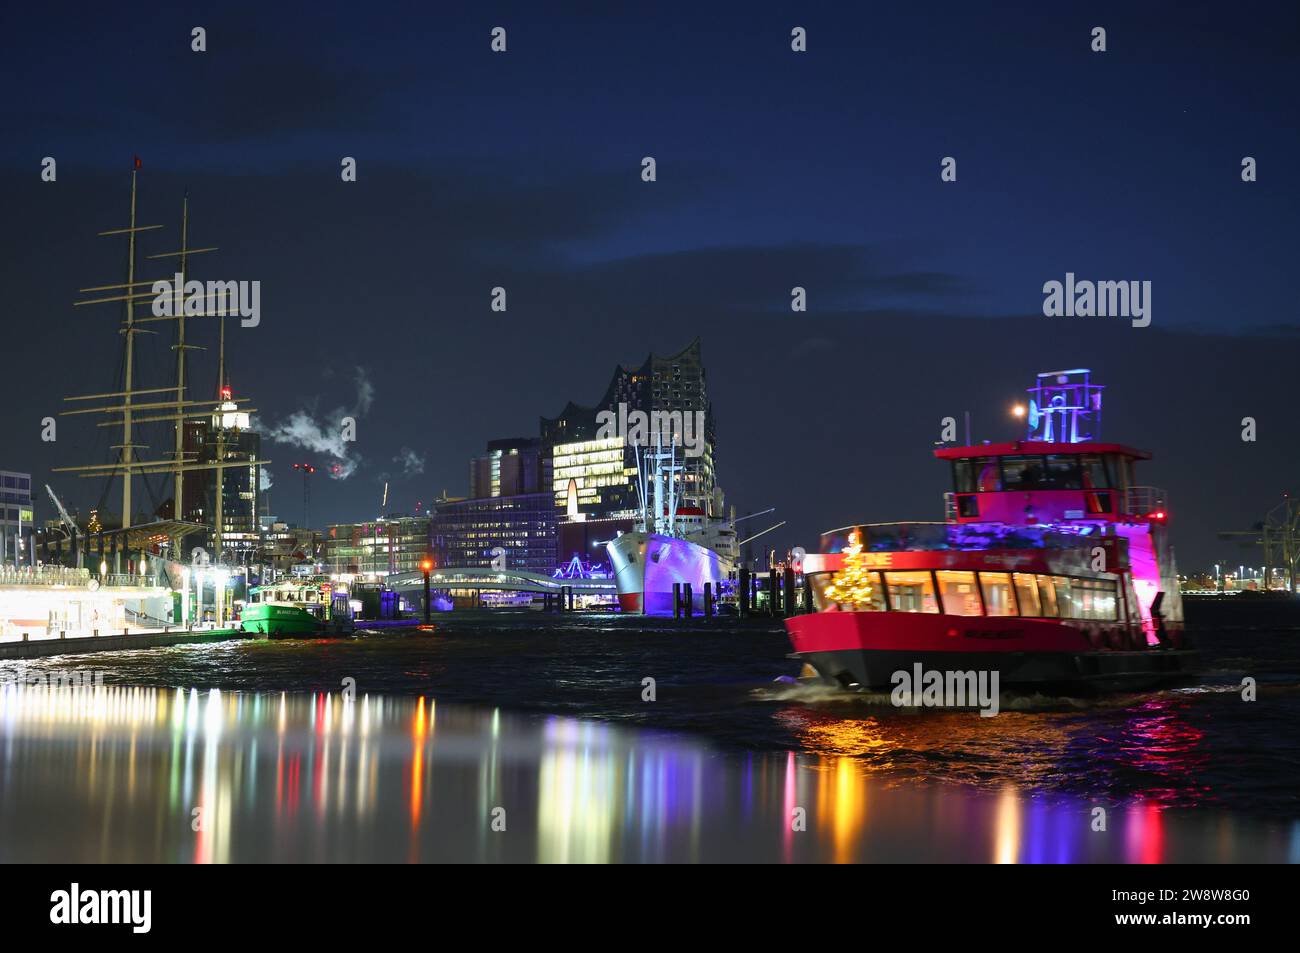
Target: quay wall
[{"x": 42, "y": 648}]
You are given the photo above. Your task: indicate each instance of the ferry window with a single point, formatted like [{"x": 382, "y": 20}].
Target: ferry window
[
  {"x": 963, "y": 476},
  {"x": 1095, "y": 472},
  {"x": 998, "y": 598},
  {"x": 987, "y": 479},
  {"x": 1095, "y": 599},
  {"x": 1097, "y": 502},
  {"x": 911, "y": 592},
  {"x": 1062, "y": 471},
  {"x": 1122, "y": 470},
  {"x": 1065, "y": 598},
  {"x": 958, "y": 594},
  {"x": 819, "y": 581},
  {"x": 1027, "y": 595},
  {"x": 1022, "y": 473},
  {"x": 1047, "y": 592}
]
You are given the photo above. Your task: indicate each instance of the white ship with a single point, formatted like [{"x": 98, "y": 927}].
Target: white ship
[{"x": 671, "y": 544}]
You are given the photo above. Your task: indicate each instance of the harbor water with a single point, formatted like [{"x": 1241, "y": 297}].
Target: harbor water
[{"x": 522, "y": 738}]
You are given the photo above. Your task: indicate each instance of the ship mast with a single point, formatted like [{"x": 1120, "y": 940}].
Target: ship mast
[
  {"x": 178, "y": 494},
  {"x": 127, "y": 448},
  {"x": 138, "y": 294},
  {"x": 219, "y": 514}
]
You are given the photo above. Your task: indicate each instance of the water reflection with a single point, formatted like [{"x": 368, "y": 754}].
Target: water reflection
[
  {"x": 103, "y": 773},
  {"x": 1149, "y": 752}
]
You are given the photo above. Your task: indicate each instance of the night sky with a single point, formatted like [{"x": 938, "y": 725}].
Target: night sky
[{"x": 775, "y": 169}]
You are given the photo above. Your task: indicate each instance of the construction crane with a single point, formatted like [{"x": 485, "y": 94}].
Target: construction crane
[
  {"x": 307, "y": 470},
  {"x": 71, "y": 530},
  {"x": 1279, "y": 535}
]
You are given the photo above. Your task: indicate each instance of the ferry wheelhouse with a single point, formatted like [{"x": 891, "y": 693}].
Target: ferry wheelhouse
[{"x": 1053, "y": 567}]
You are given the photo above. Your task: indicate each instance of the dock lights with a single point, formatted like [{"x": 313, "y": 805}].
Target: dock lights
[
  {"x": 1018, "y": 410},
  {"x": 427, "y": 564}
]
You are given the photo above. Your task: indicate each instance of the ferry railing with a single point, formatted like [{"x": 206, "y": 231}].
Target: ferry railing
[
  {"x": 1144, "y": 500},
  {"x": 43, "y": 576},
  {"x": 126, "y": 580}
]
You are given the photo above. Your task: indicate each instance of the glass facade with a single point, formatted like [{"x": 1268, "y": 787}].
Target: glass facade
[
  {"x": 604, "y": 472},
  {"x": 673, "y": 385},
  {"x": 463, "y": 533},
  {"x": 378, "y": 548},
  {"x": 16, "y": 518}
]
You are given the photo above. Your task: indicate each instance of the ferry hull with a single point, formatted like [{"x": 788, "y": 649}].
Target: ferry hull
[
  {"x": 863, "y": 650},
  {"x": 647, "y": 565},
  {"x": 279, "y": 621}
]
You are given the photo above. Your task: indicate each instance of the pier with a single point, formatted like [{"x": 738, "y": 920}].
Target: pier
[
  {"x": 41, "y": 646},
  {"x": 55, "y": 610}
]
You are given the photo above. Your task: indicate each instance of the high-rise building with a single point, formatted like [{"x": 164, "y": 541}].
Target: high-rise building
[
  {"x": 16, "y": 518},
  {"x": 519, "y": 529},
  {"x": 676, "y": 384},
  {"x": 225, "y": 435},
  {"x": 603, "y": 474},
  {"x": 511, "y": 467},
  {"x": 376, "y": 549}
]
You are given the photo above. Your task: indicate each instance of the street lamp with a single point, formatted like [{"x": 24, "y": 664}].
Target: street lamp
[{"x": 426, "y": 565}]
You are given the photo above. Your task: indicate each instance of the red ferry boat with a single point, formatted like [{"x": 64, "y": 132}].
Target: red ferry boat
[{"x": 1053, "y": 568}]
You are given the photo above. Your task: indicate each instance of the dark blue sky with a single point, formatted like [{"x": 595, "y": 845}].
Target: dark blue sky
[{"x": 775, "y": 169}]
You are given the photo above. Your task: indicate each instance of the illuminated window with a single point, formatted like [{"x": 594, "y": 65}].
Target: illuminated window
[
  {"x": 819, "y": 582},
  {"x": 1027, "y": 595},
  {"x": 958, "y": 593},
  {"x": 1047, "y": 593},
  {"x": 911, "y": 592},
  {"x": 998, "y": 596}
]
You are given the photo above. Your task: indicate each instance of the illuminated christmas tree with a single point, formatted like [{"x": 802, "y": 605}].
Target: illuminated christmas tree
[{"x": 850, "y": 586}]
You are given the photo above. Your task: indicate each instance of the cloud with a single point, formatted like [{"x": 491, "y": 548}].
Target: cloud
[
  {"x": 325, "y": 433},
  {"x": 412, "y": 463}
]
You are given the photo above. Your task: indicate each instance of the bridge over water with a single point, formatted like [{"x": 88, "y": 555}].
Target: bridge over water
[{"x": 501, "y": 580}]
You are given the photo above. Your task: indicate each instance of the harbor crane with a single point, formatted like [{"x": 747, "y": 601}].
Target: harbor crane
[
  {"x": 70, "y": 524},
  {"x": 1279, "y": 535}
]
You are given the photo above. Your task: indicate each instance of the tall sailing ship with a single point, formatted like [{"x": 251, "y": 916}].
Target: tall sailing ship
[{"x": 161, "y": 538}]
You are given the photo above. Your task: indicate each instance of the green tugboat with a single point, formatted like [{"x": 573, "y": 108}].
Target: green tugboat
[{"x": 296, "y": 610}]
